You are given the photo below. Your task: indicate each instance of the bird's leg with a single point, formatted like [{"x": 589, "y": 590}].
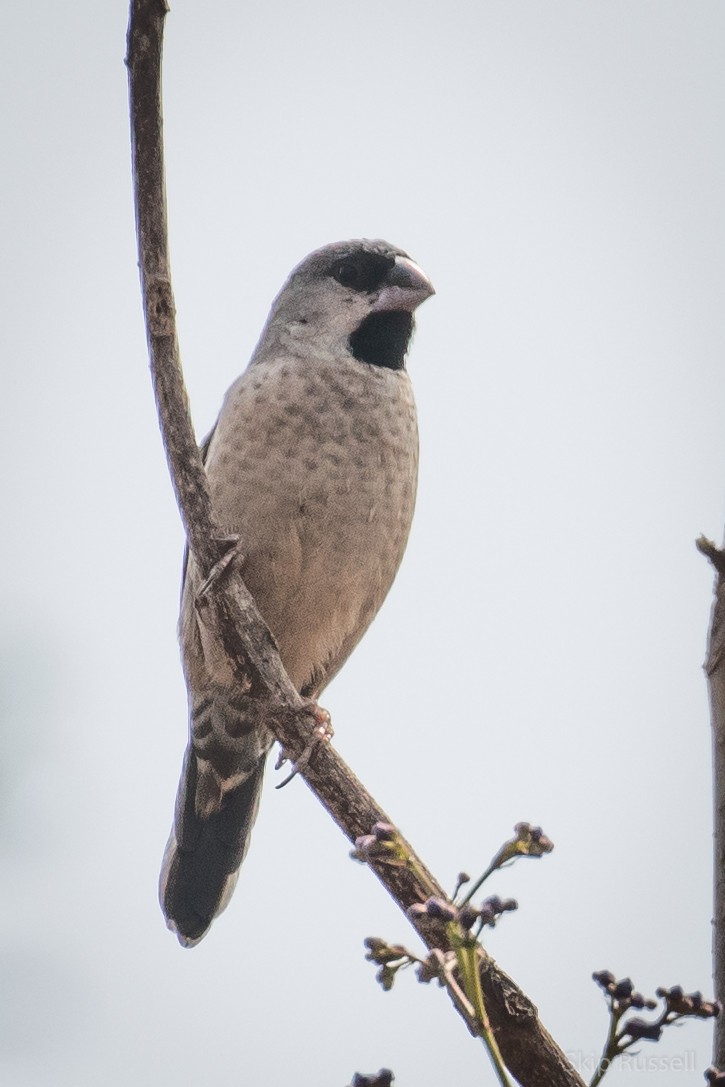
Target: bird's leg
[{"x": 322, "y": 732}]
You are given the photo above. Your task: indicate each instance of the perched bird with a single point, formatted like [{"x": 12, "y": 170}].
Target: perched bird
[{"x": 313, "y": 465}]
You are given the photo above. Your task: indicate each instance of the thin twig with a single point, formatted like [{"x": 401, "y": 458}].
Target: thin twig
[{"x": 230, "y": 612}]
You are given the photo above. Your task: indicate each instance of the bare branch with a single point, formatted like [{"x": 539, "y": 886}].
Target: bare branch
[
  {"x": 145, "y": 34},
  {"x": 715, "y": 670},
  {"x": 229, "y": 610}
]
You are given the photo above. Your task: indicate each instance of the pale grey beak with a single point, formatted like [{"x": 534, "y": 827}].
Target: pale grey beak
[{"x": 404, "y": 287}]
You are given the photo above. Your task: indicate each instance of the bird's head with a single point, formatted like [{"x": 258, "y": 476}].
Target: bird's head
[{"x": 355, "y": 298}]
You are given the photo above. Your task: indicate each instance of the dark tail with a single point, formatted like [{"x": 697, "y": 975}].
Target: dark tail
[{"x": 203, "y": 856}]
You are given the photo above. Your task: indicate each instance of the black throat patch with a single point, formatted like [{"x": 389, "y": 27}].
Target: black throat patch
[{"x": 382, "y": 339}]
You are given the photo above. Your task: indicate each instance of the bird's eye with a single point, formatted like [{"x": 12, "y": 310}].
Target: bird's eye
[
  {"x": 346, "y": 274},
  {"x": 362, "y": 271}
]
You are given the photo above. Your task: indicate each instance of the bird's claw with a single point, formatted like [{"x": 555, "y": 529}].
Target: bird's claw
[
  {"x": 322, "y": 732},
  {"x": 233, "y": 546}
]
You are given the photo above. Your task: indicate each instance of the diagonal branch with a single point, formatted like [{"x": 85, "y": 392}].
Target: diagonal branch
[{"x": 228, "y": 608}]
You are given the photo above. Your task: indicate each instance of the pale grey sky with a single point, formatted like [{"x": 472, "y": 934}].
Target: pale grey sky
[{"x": 557, "y": 168}]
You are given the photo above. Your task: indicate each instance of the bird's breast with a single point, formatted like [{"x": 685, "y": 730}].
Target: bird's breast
[{"x": 315, "y": 468}]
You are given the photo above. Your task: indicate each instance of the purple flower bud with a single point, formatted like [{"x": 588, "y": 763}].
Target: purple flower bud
[
  {"x": 606, "y": 979},
  {"x": 417, "y": 910},
  {"x": 374, "y": 943},
  {"x": 386, "y": 977},
  {"x": 681, "y": 1003},
  {"x": 640, "y": 1029},
  {"x": 467, "y": 916},
  {"x": 708, "y": 1009},
  {"x": 383, "y": 1078},
  {"x": 488, "y": 917},
  {"x": 677, "y": 1000},
  {"x": 364, "y": 843},
  {"x": 433, "y": 967},
  {"x": 533, "y": 841},
  {"x": 384, "y": 832},
  {"x": 383, "y": 953},
  {"x": 623, "y": 989},
  {"x": 493, "y": 906},
  {"x": 424, "y": 973},
  {"x": 441, "y": 910}
]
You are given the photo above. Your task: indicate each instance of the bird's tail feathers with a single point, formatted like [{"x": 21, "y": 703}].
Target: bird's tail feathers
[{"x": 204, "y": 852}]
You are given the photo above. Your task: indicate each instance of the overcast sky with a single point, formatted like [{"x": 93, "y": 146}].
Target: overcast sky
[{"x": 557, "y": 168}]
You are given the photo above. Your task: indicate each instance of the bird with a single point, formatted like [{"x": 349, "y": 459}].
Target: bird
[{"x": 312, "y": 464}]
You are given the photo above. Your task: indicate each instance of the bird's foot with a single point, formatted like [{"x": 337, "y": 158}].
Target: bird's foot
[{"x": 322, "y": 733}]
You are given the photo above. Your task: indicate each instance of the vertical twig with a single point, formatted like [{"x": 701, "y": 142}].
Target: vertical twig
[
  {"x": 715, "y": 670},
  {"x": 145, "y": 40}
]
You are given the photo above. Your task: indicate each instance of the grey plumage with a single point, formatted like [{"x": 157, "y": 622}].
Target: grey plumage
[{"x": 313, "y": 464}]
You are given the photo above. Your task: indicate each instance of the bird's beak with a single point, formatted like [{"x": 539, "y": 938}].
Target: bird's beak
[{"x": 404, "y": 287}]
